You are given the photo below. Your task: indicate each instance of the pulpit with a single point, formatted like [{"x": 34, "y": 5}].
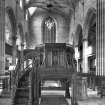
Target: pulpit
[{"x": 57, "y": 60}]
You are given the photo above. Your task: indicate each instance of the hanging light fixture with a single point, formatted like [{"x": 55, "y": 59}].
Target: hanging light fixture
[
  {"x": 49, "y": 23},
  {"x": 21, "y": 4}
]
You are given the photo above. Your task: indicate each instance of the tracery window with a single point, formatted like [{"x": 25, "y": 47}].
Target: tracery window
[
  {"x": 49, "y": 23},
  {"x": 49, "y": 30}
]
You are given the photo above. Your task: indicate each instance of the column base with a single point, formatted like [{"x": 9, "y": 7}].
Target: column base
[
  {"x": 82, "y": 88},
  {"x": 79, "y": 88},
  {"x": 67, "y": 94},
  {"x": 30, "y": 102},
  {"x": 73, "y": 103},
  {"x": 35, "y": 103},
  {"x": 39, "y": 89}
]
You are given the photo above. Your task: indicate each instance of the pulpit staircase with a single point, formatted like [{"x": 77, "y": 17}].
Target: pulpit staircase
[
  {"x": 22, "y": 91},
  {"x": 21, "y": 81}
]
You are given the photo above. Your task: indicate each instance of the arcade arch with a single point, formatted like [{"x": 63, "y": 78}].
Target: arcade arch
[
  {"x": 91, "y": 39},
  {"x": 88, "y": 20},
  {"x": 12, "y": 19}
]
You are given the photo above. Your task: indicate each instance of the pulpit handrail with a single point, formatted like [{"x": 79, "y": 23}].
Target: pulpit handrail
[{"x": 17, "y": 75}]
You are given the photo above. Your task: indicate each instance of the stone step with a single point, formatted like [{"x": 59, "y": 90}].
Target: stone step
[
  {"x": 23, "y": 84},
  {"x": 53, "y": 88},
  {"x": 53, "y": 100},
  {"x": 5, "y": 93},
  {"x": 21, "y": 101},
  {"x": 22, "y": 92}
]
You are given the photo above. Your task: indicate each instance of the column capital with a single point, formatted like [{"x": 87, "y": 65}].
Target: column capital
[
  {"x": 85, "y": 39},
  {"x": 14, "y": 37},
  {"x": 75, "y": 46}
]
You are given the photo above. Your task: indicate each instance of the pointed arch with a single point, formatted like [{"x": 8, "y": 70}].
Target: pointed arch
[
  {"x": 90, "y": 28},
  {"x": 21, "y": 31},
  {"x": 78, "y": 35},
  {"x": 88, "y": 20},
  {"x": 12, "y": 18}
]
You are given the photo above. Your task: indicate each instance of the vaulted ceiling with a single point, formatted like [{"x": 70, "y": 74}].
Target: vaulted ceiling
[
  {"x": 64, "y": 6},
  {"x": 60, "y": 10}
]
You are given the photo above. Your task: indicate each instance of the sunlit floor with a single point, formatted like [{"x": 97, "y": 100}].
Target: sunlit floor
[
  {"x": 57, "y": 98},
  {"x": 5, "y": 101},
  {"x": 53, "y": 100},
  {"x": 93, "y": 98}
]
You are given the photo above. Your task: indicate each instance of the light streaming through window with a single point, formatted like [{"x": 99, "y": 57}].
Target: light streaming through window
[
  {"x": 21, "y": 3},
  {"x": 32, "y": 10}
]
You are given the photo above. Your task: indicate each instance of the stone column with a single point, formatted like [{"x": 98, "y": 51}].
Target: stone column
[
  {"x": 83, "y": 87},
  {"x": 79, "y": 88},
  {"x": 77, "y": 56},
  {"x": 14, "y": 49},
  {"x": 74, "y": 90},
  {"x": 67, "y": 93},
  {"x": 100, "y": 38},
  {"x": 85, "y": 57},
  {"x": 35, "y": 83},
  {"x": 22, "y": 56},
  {"x": 39, "y": 88},
  {"x": 2, "y": 39},
  {"x": 30, "y": 89}
]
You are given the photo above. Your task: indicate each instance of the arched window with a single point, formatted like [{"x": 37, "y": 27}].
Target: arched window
[{"x": 49, "y": 30}]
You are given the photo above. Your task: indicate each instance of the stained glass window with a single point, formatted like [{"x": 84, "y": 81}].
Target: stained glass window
[
  {"x": 49, "y": 23},
  {"x": 49, "y": 30}
]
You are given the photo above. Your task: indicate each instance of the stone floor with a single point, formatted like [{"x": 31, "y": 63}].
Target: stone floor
[
  {"x": 5, "y": 101},
  {"x": 54, "y": 100},
  {"x": 57, "y": 98}
]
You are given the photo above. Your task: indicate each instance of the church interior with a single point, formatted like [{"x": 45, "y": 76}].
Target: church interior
[{"x": 52, "y": 45}]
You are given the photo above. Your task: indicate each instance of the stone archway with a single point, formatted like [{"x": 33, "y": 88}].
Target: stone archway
[
  {"x": 86, "y": 50},
  {"x": 9, "y": 45},
  {"x": 12, "y": 19},
  {"x": 92, "y": 32},
  {"x": 89, "y": 45},
  {"x": 91, "y": 12},
  {"x": 91, "y": 39}
]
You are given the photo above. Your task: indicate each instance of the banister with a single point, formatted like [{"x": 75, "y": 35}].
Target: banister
[{"x": 18, "y": 73}]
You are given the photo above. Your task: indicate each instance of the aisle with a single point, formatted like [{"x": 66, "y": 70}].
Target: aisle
[{"x": 53, "y": 100}]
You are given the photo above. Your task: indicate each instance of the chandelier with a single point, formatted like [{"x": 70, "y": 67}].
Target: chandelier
[{"x": 49, "y": 23}]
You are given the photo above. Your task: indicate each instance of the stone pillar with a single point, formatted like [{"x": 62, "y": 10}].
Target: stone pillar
[
  {"x": 83, "y": 87},
  {"x": 77, "y": 56},
  {"x": 100, "y": 38},
  {"x": 74, "y": 92},
  {"x": 22, "y": 56},
  {"x": 79, "y": 88},
  {"x": 67, "y": 93},
  {"x": 14, "y": 49},
  {"x": 35, "y": 84},
  {"x": 2, "y": 39},
  {"x": 40, "y": 89},
  {"x": 85, "y": 57},
  {"x": 30, "y": 89}
]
